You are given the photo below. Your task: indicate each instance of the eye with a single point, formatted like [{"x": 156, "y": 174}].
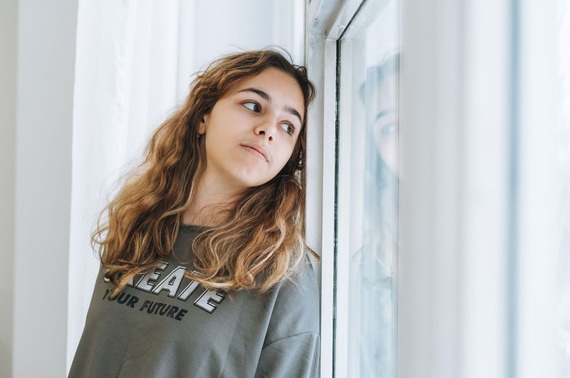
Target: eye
[
  {"x": 289, "y": 129},
  {"x": 388, "y": 129},
  {"x": 253, "y": 106}
]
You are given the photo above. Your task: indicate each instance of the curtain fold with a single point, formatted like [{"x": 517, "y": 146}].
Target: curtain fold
[{"x": 126, "y": 83}]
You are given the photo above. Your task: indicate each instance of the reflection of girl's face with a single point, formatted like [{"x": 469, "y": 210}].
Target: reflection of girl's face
[{"x": 383, "y": 113}]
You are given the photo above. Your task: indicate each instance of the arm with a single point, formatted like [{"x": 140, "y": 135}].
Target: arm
[
  {"x": 292, "y": 343},
  {"x": 292, "y": 357}
]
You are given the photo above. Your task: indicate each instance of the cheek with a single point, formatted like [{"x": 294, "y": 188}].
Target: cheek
[
  {"x": 285, "y": 157},
  {"x": 385, "y": 132}
]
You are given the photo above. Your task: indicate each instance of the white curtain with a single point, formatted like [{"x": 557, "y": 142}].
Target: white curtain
[{"x": 134, "y": 62}]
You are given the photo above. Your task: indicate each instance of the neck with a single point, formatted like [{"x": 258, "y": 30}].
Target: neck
[{"x": 210, "y": 205}]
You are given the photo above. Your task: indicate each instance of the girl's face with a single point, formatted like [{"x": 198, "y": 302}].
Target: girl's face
[
  {"x": 383, "y": 112},
  {"x": 251, "y": 131}
]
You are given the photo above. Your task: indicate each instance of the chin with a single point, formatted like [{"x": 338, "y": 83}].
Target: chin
[
  {"x": 249, "y": 179},
  {"x": 248, "y": 184}
]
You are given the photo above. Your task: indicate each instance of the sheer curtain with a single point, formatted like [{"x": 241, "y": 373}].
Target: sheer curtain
[{"x": 134, "y": 62}]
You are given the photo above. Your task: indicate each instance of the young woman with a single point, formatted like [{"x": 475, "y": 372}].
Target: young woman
[{"x": 204, "y": 269}]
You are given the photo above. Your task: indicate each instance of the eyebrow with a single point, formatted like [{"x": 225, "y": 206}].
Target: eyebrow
[
  {"x": 383, "y": 114},
  {"x": 266, "y": 97}
]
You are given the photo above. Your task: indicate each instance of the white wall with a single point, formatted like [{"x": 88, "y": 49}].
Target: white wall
[{"x": 36, "y": 71}]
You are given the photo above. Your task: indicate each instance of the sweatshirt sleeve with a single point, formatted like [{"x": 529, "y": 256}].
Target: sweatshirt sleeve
[
  {"x": 293, "y": 357},
  {"x": 292, "y": 343}
]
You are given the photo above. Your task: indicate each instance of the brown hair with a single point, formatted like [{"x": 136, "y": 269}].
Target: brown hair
[{"x": 261, "y": 243}]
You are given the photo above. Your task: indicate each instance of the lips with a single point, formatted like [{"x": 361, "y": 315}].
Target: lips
[{"x": 257, "y": 149}]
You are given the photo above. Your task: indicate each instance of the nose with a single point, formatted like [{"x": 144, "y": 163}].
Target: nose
[{"x": 266, "y": 128}]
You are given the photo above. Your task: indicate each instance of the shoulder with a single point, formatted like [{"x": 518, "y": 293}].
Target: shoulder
[{"x": 302, "y": 286}]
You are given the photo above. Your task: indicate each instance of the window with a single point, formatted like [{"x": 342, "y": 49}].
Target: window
[
  {"x": 444, "y": 241},
  {"x": 367, "y": 197},
  {"x": 360, "y": 148}
]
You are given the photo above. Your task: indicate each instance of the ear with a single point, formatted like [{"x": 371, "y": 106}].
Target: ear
[{"x": 203, "y": 123}]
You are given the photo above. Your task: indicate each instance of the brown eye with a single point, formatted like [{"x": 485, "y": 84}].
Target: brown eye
[
  {"x": 289, "y": 129},
  {"x": 253, "y": 106}
]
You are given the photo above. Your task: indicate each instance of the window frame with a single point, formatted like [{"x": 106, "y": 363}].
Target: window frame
[{"x": 327, "y": 21}]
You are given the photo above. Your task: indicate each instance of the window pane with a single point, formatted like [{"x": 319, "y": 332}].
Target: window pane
[
  {"x": 564, "y": 155},
  {"x": 368, "y": 187}
]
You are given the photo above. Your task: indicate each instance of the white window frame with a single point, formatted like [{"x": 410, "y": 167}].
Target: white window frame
[{"x": 326, "y": 22}]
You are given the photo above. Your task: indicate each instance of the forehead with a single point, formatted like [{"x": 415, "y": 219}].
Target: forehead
[
  {"x": 280, "y": 86},
  {"x": 383, "y": 92}
]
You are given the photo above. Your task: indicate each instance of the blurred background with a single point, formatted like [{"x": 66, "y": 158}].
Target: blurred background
[{"x": 438, "y": 169}]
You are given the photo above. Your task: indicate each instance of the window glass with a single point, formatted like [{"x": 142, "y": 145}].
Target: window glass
[
  {"x": 368, "y": 188},
  {"x": 564, "y": 155}
]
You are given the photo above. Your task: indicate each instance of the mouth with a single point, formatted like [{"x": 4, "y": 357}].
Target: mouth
[{"x": 257, "y": 150}]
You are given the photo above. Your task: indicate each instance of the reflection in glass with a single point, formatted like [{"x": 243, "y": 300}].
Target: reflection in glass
[
  {"x": 369, "y": 52},
  {"x": 374, "y": 263}
]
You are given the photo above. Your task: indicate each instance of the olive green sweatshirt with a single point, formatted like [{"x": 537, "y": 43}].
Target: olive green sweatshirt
[{"x": 165, "y": 325}]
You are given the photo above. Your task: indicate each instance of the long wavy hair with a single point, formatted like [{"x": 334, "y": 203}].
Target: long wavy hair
[{"x": 263, "y": 240}]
